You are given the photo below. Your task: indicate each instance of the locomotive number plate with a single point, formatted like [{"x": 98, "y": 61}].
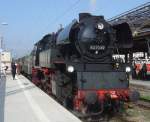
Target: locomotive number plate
[{"x": 97, "y": 47}]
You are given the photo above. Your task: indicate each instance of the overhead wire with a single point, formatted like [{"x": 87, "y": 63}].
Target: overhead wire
[{"x": 63, "y": 14}]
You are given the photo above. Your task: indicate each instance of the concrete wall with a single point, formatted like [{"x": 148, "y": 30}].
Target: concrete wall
[{"x": 2, "y": 97}]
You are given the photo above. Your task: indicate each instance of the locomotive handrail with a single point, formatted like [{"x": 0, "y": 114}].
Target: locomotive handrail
[{"x": 100, "y": 62}]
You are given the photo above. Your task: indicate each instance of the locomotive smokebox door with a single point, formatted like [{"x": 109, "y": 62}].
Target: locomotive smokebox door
[{"x": 123, "y": 35}]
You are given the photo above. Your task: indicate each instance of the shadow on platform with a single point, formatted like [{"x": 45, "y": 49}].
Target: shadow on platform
[{"x": 19, "y": 90}]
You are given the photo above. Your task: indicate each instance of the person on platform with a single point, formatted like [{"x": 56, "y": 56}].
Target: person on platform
[
  {"x": 18, "y": 68},
  {"x": 144, "y": 71},
  {"x": 13, "y": 70},
  {"x": 134, "y": 74}
]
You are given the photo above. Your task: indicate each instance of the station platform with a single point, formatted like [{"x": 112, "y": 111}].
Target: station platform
[
  {"x": 143, "y": 83},
  {"x": 22, "y": 101}
]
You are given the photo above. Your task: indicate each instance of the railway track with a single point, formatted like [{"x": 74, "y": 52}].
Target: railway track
[
  {"x": 144, "y": 90},
  {"x": 144, "y": 103},
  {"x": 139, "y": 87}
]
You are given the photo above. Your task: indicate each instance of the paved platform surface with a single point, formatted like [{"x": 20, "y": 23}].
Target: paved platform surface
[
  {"x": 140, "y": 83},
  {"x": 24, "y": 102}
]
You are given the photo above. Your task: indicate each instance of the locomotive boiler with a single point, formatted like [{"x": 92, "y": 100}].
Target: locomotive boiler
[{"x": 76, "y": 65}]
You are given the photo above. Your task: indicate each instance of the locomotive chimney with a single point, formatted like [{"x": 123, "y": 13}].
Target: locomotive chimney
[
  {"x": 84, "y": 15},
  {"x": 87, "y": 15}
]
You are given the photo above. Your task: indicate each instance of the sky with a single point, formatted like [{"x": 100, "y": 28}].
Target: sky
[{"x": 29, "y": 20}]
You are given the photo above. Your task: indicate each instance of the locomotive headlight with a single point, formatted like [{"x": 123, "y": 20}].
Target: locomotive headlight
[
  {"x": 128, "y": 69},
  {"x": 70, "y": 69},
  {"x": 100, "y": 26}
]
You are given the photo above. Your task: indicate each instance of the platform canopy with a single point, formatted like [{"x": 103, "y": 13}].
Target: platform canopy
[{"x": 139, "y": 21}]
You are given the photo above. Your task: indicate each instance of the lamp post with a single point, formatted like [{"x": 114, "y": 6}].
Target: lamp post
[
  {"x": 1, "y": 36},
  {"x": 1, "y": 47},
  {"x": 4, "y": 23}
]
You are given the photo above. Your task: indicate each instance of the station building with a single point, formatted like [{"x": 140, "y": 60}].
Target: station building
[{"x": 6, "y": 59}]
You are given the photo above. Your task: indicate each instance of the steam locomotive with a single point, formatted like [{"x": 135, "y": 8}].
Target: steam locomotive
[{"x": 76, "y": 65}]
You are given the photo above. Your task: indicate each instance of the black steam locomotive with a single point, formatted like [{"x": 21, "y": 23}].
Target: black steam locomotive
[{"x": 77, "y": 66}]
